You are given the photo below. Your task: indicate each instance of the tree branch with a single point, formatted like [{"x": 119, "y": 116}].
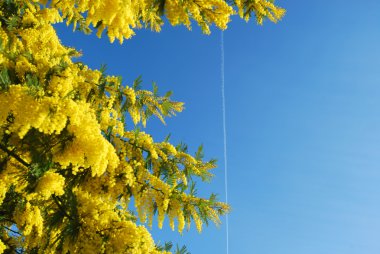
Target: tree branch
[
  {"x": 9, "y": 229},
  {"x": 14, "y": 155}
]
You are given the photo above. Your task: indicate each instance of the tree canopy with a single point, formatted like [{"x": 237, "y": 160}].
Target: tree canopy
[{"x": 74, "y": 156}]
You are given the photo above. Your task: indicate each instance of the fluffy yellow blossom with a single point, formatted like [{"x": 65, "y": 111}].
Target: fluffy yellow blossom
[
  {"x": 130, "y": 93},
  {"x": 30, "y": 220},
  {"x": 262, "y": 9},
  {"x": 137, "y": 238},
  {"x": 120, "y": 18},
  {"x": 88, "y": 149},
  {"x": 50, "y": 183},
  {"x": 10, "y": 175},
  {"x": 3, "y": 247},
  {"x": 23, "y": 66}
]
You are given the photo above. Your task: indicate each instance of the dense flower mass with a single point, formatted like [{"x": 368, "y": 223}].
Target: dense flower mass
[
  {"x": 121, "y": 18},
  {"x": 72, "y": 159}
]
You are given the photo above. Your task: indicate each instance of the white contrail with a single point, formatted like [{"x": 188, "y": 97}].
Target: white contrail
[{"x": 224, "y": 133}]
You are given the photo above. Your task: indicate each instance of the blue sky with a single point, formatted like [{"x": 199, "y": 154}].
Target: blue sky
[{"x": 303, "y": 122}]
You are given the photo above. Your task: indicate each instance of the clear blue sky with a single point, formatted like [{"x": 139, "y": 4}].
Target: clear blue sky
[{"x": 303, "y": 122}]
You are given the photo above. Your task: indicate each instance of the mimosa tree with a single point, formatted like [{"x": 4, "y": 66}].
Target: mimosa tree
[{"x": 72, "y": 160}]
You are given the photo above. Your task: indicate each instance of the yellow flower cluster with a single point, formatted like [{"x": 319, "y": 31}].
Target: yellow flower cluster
[
  {"x": 50, "y": 115},
  {"x": 89, "y": 149},
  {"x": 176, "y": 211},
  {"x": 131, "y": 95},
  {"x": 8, "y": 177},
  {"x": 30, "y": 220},
  {"x": 100, "y": 220},
  {"x": 262, "y": 9},
  {"x": 3, "y": 247},
  {"x": 203, "y": 12},
  {"x": 166, "y": 198},
  {"x": 17, "y": 101},
  {"x": 50, "y": 183},
  {"x": 120, "y": 18}
]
